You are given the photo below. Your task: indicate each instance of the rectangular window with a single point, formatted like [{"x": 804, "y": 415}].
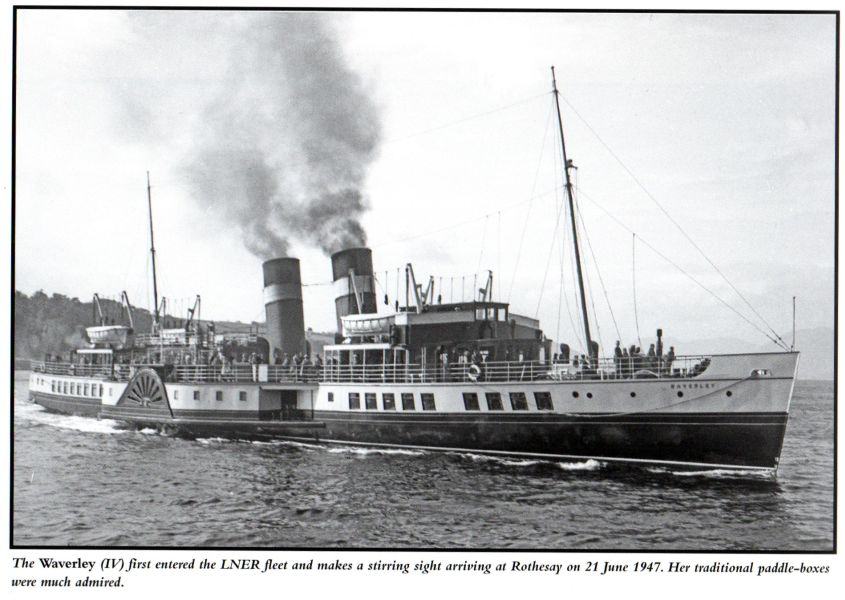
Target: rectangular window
[
  {"x": 102, "y": 391},
  {"x": 242, "y": 396},
  {"x": 53, "y": 386},
  {"x": 73, "y": 388},
  {"x": 175, "y": 394},
  {"x": 370, "y": 401},
  {"x": 408, "y": 402},
  {"x": 218, "y": 395},
  {"x": 518, "y": 401},
  {"x": 494, "y": 401},
  {"x": 331, "y": 396},
  {"x": 354, "y": 401},
  {"x": 543, "y": 400},
  {"x": 85, "y": 393},
  {"x": 427, "y": 401},
  {"x": 388, "y": 401},
  {"x": 471, "y": 401},
  {"x": 111, "y": 391},
  {"x": 196, "y": 394}
]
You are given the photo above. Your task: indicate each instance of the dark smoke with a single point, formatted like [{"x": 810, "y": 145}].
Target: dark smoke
[{"x": 284, "y": 147}]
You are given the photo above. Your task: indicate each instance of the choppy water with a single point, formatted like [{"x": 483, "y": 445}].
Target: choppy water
[{"x": 86, "y": 482}]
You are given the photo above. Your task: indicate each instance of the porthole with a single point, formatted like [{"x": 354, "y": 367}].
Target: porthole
[
  {"x": 729, "y": 393},
  {"x": 680, "y": 394},
  {"x": 589, "y": 394},
  {"x": 574, "y": 394},
  {"x": 633, "y": 394}
]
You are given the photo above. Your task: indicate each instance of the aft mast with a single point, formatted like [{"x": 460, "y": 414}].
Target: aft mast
[
  {"x": 574, "y": 227},
  {"x": 156, "y": 327}
]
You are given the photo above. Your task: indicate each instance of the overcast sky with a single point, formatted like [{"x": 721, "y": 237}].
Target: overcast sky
[{"x": 443, "y": 124}]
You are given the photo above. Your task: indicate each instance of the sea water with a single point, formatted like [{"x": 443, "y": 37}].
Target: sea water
[{"x": 87, "y": 482}]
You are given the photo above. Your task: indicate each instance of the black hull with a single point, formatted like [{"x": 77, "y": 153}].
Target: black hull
[
  {"x": 736, "y": 440},
  {"x": 723, "y": 440},
  {"x": 68, "y": 405}
]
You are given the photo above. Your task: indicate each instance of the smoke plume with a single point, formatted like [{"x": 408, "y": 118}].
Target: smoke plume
[{"x": 284, "y": 147}]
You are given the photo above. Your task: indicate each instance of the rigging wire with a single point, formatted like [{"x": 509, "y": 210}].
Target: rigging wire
[
  {"x": 566, "y": 244},
  {"x": 499, "y": 255},
  {"x": 676, "y": 224},
  {"x": 530, "y": 203},
  {"x": 483, "y": 239},
  {"x": 577, "y": 322},
  {"x": 404, "y": 239},
  {"x": 552, "y": 248},
  {"x": 589, "y": 286},
  {"x": 601, "y": 280},
  {"x": 467, "y": 118},
  {"x": 689, "y": 276},
  {"x": 634, "y": 282}
]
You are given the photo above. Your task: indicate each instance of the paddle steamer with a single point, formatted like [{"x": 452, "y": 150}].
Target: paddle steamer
[{"x": 466, "y": 377}]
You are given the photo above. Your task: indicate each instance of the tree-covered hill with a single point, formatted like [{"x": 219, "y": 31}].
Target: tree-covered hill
[{"x": 55, "y": 324}]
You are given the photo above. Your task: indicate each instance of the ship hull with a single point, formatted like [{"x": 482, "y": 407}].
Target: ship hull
[
  {"x": 716, "y": 440},
  {"x": 736, "y": 441},
  {"x": 733, "y": 417},
  {"x": 68, "y": 405}
]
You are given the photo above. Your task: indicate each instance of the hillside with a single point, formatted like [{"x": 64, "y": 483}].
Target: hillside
[{"x": 54, "y": 324}]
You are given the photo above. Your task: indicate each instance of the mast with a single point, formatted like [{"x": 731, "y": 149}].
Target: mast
[
  {"x": 153, "y": 255},
  {"x": 574, "y": 227}
]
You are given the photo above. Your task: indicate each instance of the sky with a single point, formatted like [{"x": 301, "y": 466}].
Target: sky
[{"x": 433, "y": 137}]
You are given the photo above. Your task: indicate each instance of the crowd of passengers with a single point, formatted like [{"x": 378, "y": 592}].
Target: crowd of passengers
[{"x": 452, "y": 365}]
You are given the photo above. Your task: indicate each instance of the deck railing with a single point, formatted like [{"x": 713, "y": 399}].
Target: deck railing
[{"x": 501, "y": 372}]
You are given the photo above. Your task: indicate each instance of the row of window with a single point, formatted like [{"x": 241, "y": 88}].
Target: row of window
[
  {"x": 218, "y": 395},
  {"x": 518, "y": 400},
  {"x": 388, "y": 401},
  {"x": 96, "y": 390},
  {"x": 73, "y": 388}
]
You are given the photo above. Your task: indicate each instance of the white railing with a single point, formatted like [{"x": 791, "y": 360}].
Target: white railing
[
  {"x": 502, "y": 372},
  {"x": 517, "y": 371},
  {"x": 62, "y": 368}
]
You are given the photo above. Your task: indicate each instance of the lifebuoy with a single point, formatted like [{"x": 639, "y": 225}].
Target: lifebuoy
[{"x": 474, "y": 372}]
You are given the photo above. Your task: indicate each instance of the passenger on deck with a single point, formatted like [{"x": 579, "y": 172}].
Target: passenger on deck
[
  {"x": 617, "y": 359},
  {"x": 658, "y": 349},
  {"x": 307, "y": 370},
  {"x": 564, "y": 353},
  {"x": 255, "y": 360},
  {"x": 651, "y": 363},
  {"x": 297, "y": 364},
  {"x": 626, "y": 364},
  {"x": 670, "y": 358},
  {"x": 444, "y": 366},
  {"x": 353, "y": 366}
]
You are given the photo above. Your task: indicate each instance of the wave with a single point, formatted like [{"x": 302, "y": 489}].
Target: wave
[
  {"x": 38, "y": 414},
  {"x": 714, "y": 473},
  {"x": 368, "y": 451},
  {"x": 213, "y": 440},
  {"x": 588, "y": 465},
  {"x": 502, "y": 460}
]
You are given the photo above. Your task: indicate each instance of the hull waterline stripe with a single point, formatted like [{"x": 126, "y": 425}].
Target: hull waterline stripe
[{"x": 539, "y": 455}]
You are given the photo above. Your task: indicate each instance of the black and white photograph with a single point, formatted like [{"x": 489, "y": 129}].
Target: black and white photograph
[{"x": 424, "y": 280}]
